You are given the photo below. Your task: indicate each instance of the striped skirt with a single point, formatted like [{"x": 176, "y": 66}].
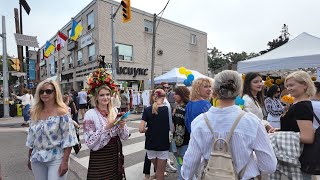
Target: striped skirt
[{"x": 107, "y": 163}]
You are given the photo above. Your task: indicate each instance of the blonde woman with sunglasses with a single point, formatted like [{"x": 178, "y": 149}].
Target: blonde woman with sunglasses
[{"x": 51, "y": 134}]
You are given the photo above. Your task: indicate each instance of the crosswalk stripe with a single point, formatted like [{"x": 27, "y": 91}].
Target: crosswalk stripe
[{"x": 136, "y": 147}]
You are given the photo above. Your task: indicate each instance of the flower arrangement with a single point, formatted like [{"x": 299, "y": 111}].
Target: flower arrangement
[
  {"x": 98, "y": 78},
  {"x": 287, "y": 99}
]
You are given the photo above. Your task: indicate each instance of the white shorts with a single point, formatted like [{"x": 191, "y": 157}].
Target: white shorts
[{"x": 157, "y": 154}]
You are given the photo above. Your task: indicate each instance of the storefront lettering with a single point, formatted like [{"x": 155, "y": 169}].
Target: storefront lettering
[{"x": 132, "y": 71}]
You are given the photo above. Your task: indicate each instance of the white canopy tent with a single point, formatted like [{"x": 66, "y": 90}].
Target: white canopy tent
[
  {"x": 174, "y": 76},
  {"x": 301, "y": 52}
]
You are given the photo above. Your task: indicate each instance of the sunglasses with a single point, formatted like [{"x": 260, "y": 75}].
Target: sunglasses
[
  {"x": 47, "y": 91},
  {"x": 167, "y": 87}
]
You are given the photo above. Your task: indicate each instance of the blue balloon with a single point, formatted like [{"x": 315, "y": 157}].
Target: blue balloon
[
  {"x": 190, "y": 77},
  {"x": 186, "y": 82},
  {"x": 239, "y": 101}
]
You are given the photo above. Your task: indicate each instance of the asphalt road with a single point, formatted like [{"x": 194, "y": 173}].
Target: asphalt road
[{"x": 13, "y": 154}]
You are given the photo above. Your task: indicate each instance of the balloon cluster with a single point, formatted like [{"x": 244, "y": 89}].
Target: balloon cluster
[
  {"x": 188, "y": 74},
  {"x": 239, "y": 102}
]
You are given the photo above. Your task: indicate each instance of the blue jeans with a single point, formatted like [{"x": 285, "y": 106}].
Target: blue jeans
[
  {"x": 47, "y": 170},
  {"x": 25, "y": 112},
  {"x": 179, "y": 157}
]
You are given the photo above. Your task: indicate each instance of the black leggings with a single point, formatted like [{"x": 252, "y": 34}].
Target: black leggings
[{"x": 147, "y": 165}]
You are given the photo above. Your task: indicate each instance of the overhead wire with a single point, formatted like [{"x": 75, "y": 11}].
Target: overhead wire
[{"x": 161, "y": 12}]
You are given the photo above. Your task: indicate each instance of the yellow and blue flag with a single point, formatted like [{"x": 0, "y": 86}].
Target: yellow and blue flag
[
  {"x": 49, "y": 48},
  {"x": 76, "y": 29}
]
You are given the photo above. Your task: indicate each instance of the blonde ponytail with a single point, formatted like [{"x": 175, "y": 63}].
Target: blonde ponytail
[{"x": 155, "y": 108}]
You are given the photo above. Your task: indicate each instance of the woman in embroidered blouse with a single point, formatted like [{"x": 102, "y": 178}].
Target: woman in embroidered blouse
[
  {"x": 253, "y": 97},
  {"x": 200, "y": 94},
  {"x": 102, "y": 137},
  {"x": 273, "y": 106},
  {"x": 51, "y": 134},
  {"x": 227, "y": 85},
  {"x": 181, "y": 134}
]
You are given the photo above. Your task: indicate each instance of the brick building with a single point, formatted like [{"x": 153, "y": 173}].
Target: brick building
[{"x": 176, "y": 45}]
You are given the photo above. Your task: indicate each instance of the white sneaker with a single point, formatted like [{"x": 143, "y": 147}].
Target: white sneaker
[{"x": 170, "y": 168}]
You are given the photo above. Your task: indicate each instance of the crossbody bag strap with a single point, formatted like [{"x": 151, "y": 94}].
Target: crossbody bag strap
[
  {"x": 234, "y": 126},
  {"x": 207, "y": 122},
  {"x": 314, "y": 114},
  {"x": 241, "y": 173}
]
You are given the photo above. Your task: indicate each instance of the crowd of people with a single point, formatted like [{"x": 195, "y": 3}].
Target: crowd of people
[{"x": 184, "y": 121}]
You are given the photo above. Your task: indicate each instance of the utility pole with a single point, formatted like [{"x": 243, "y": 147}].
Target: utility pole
[
  {"x": 21, "y": 50},
  {"x": 113, "y": 46},
  {"x": 24, "y": 4},
  {"x": 5, "y": 71},
  {"x": 153, "y": 49}
]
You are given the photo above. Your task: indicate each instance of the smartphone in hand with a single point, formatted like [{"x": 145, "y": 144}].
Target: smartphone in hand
[{"x": 122, "y": 117}]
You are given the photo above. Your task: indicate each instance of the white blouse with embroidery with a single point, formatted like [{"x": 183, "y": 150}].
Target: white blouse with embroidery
[
  {"x": 95, "y": 134},
  {"x": 251, "y": 106}
]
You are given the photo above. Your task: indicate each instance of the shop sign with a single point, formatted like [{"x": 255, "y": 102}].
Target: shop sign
[
  {"x": 86, "y": 40},
  {"x": 66, "y": 77},
  {"x": 132, "y": 71}
]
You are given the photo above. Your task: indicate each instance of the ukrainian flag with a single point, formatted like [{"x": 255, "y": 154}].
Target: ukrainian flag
[
  {"x": 49, "y": 48},
  {"x": 75, "y": 30}
]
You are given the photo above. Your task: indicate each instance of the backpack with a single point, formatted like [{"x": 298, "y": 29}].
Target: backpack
[
  {"x": 220, "y": 164},
  {"x": 310, "y": 159}
]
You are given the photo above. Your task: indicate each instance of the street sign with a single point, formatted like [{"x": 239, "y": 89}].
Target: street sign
[
  {"x": 25, "y": 6},
  {"x": 25, "y": 40},
  {"x": 18, "y": 74}
]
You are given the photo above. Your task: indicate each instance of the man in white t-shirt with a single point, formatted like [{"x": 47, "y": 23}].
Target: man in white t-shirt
[
  {"x": 26, "y": 101},
  {"x": 83, "y": 102}
]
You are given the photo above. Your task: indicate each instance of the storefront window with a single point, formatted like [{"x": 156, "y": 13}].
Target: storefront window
[{"x": 125, "y": 52}]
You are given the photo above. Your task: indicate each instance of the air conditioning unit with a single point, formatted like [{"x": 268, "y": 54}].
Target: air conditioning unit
[
  {"x": 159, "y": 52},
  {"x": 148, "y": 30}
]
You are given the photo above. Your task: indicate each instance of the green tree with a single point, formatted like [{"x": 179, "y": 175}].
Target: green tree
[
  {"x": 216, "y": 59},
  {"x": 282, "y": 39}
]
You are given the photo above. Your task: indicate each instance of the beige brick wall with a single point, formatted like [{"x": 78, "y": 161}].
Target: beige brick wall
[{"x": 172, "y": 38}]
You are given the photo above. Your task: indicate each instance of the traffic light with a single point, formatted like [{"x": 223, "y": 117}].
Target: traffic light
[
  {"x": 126, "y": 11},
  {"x": 15, "y": 64}
]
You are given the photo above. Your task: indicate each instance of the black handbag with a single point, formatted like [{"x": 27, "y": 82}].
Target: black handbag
[
  {"x": 310, "y": 157},
  {"x": 77, "y": 147}
]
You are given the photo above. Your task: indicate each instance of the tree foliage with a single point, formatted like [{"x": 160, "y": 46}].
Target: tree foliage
[
  {"x": 216, "y": 59},
  {"x": 282, "y": 39}
]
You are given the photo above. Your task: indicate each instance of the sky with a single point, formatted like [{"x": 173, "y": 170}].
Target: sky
[{"x": 231, "y": 25}]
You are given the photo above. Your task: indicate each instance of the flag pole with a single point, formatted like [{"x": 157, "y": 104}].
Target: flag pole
[{"x": 59, "y": 66}]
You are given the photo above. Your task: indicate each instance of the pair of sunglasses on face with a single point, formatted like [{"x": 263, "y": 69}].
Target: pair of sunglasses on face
[{"x": 47, "y": 91}]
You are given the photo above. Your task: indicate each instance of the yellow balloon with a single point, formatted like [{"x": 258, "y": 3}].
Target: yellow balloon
[
  {"x": 187, "y": 73},
  {"x": 182, "y": 70}
]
